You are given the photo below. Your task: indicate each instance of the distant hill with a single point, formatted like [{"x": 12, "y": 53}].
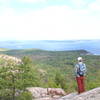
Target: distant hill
[
  {"x": 54, "y": 45},
  {"x": 38, "y": 54},
  {"x": 3, "y": 49},
  {"x": 39, "y": 51}
]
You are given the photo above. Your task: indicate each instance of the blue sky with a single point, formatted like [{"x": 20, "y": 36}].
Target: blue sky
[{"x": 49, "y": 19}]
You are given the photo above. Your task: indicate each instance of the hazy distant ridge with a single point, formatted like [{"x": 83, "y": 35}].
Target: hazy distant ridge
[{"x": 54, "y": 45}]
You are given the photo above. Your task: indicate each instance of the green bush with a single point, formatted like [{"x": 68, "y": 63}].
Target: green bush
[{"x": 25, "y": 96}]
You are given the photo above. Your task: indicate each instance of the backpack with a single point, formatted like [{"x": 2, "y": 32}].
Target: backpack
[{"x": 80, "y": 70}]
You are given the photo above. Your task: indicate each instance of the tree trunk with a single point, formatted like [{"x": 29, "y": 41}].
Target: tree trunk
[{"x": 13, "y": 88}]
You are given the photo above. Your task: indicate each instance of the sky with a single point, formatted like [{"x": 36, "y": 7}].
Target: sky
[{"x": 49, "y": 19}]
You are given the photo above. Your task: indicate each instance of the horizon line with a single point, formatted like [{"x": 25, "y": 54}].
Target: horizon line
[{"x": 50, "y": 40}]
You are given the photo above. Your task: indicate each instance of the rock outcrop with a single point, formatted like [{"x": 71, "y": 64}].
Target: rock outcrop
[
  {"x": 93, "y": 94},
  {"x": 10, "y": 58},
  {"x": 44, "y": 93}
]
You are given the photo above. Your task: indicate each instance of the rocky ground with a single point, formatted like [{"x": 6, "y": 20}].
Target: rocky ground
[
  {"x": 93, "y": 94},
  {"x": 89, "y": 95},
  {"x": 46, "y": 93}
]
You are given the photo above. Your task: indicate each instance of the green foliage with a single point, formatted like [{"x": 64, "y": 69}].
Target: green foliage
[
  {"x": 16, "y": 77},
  {"x": 60, "y": 80},
  {"x": 45, "y": 69},
  {"x": 25, "y": 96}
]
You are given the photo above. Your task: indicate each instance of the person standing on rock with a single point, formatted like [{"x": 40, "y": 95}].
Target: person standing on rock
[{"x": 80, "y": 72}]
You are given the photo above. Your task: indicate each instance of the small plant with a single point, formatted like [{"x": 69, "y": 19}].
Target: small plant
[{"x": 25, "y": 96}]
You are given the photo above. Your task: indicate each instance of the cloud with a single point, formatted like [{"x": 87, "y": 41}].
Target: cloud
[
  {"x": 32, "y": 1},
  {"x": 50, "y": 23},
  {"x": 95, "y": 6},
  {"x": 78, "y": 3},
  {"x": 4, "y": 1}
]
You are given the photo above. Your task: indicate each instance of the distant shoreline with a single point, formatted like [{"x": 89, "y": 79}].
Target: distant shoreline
[{"x": 91, "y": 46}]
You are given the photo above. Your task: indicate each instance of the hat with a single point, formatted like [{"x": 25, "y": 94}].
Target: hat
[{"x": 79, "y": 58}]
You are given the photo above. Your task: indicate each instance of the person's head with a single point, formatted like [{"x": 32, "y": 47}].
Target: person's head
[{"x": 80, "y": 59}]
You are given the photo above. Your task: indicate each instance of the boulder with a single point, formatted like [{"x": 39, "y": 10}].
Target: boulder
[{"x": 38, "y": 92}]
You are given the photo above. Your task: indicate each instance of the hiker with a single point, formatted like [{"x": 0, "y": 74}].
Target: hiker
[{"x": 80, "y": 72}]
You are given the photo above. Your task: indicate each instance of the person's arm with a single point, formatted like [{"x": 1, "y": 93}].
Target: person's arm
[
  {"x": 76, "y": 69},
  {"x": 85, "y": 69}
]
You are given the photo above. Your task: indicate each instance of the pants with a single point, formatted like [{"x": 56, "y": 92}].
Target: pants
[{"x": 80, "y": 83}]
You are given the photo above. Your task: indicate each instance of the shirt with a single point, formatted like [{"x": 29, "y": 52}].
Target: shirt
[{"x": 82, "y": 66}]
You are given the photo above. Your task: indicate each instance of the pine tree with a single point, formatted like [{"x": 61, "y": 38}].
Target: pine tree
[{"x": 15, "y": 78}]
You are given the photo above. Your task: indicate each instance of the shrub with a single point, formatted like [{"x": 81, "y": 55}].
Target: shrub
[{"x": 25, "y": 96}]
